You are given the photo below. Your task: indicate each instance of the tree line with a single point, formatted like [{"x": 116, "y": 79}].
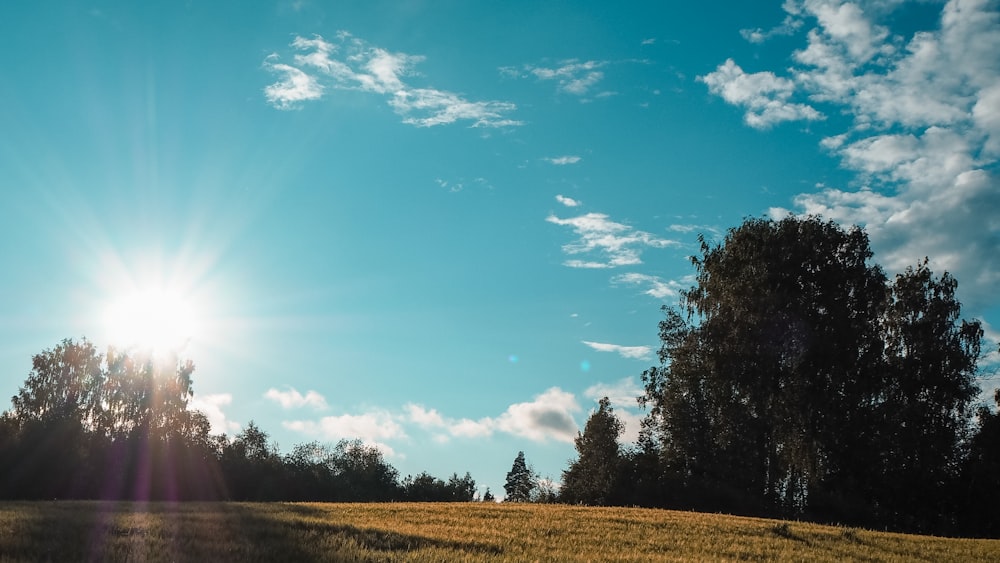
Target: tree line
[
  {"x": 797, "y": 380},
  {"x": 87, "y": 425}
]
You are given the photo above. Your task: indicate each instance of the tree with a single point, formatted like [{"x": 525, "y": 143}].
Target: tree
[
  {"x": 520, "y": 481},
  {"x": 787, "y": 367},
  {"x": 591, "y": 478},
  {"x": 488, "y": 496},
  {"x": 979, "y": 475},
  {"x": 927, "y": 399}
]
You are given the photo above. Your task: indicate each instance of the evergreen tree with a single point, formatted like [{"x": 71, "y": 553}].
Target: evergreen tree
[
  {"x": 520, "y": 481},
  {"x": 591, "y": 478}
]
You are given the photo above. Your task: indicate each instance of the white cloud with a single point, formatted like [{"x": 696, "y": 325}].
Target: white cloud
[
  {"x": 370, "y": 427},
  {"x": 563, "y": 160},
  {"x": 293, "y": 399},
  {"x": 352, "y": 64},
  {"x": 655, "y": 286},
  {"x": 619, "y": 244},
  {"x": 622, "y": 395},
  {"x": 294, "y": 86},
  {"x": 211, "y": 406},
  {"x": 574, "y": 77},
  {"x": 547, "y": 417},
  {"x": 629, "y": 352},
  {"x": 567, "y": 201},
  {"x": 764, "y": 95},
  {"x": 925, "y": 137}
]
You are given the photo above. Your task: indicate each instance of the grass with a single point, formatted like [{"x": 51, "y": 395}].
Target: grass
[{"x": 105, "y": 531}]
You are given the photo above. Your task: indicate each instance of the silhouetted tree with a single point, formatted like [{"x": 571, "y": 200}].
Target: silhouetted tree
[
  {"x": 591, "y": 478},
  {"x": 520, "y": 481},
  {"x": 981, "y": 485},
  {"x": 789, "y": 369}
]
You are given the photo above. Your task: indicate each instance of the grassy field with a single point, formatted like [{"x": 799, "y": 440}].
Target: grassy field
[{"x": 98, "y": 531}]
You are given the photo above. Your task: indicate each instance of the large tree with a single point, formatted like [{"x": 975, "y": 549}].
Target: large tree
[
  {"x": 778, "y": 370},
  {"x": 591, "y": 478}
]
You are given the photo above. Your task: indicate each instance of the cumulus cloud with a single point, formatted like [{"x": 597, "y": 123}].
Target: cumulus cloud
[
  {"x": 924, "y": 137},
  {"x": 293, "y": 399},
  {"x": 654, "y": 286},
  {"x": 629, "y": 352},
  {"x": 615, "y": 243},
  {"x": 563, "y": 160},
  {"x": 764, "y": 95},
  {"x": 349, "y": 63},
  {"x": 567, "y": 201},
  {"x": 211, "y": 406},
  {"x": 548, "y": 417}
]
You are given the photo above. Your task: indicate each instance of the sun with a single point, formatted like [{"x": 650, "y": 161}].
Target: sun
[{"x": 153, "y": 319}]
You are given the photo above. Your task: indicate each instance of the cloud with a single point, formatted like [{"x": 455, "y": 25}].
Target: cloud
[
  {"x": 572, "y": 76},
  {"x": 293, "y": 87},
  {"x": 618, "y": 244},
  {"x": 352, "y": 64},
  {"x": 630, "y": 352},
  {"x": 563, "y": 160},
  {"x": 547, "y": 417},
  {"x": 293, "y": 399},
  {"x": 567, "y": 201},
  {"x": 371, "y": 427},
  {"x": 622, "y": 392},
  {"x": 789, "y": 26},
  {"x": 211, "y": 406},
  {"x": 924, "y": 133},
  {"x": 622, "y": 395},
  {"x": 764, "y": 95}
]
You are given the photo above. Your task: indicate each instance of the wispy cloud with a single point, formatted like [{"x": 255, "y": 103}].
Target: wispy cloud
[
  {"x": 615, "y": 243},
  {"x": 211, "y": 406},
  {"x": 925, "y": 139},
  {"x": 572, "y": 76},
  {"x": 567, "y": 201},
  {"x": 563, "y": 160},
  {"x": 654, "y": 286},
  {"x": 349, "y": 63},
  {"x": 293, "y": 399},
  {"x": 630, "y": 352},
  {"x": 293, "y": 86}
]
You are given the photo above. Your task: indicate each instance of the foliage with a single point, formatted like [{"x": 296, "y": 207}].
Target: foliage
[
  {"x": 521, "y": 481},
  {"x": 796, "y": 380},
  {"x": 104, "y": 531},
  {"x": 592, "y": 477},
  {"x": 426, "y": 488},
  {"x": 117, "y": 426}
]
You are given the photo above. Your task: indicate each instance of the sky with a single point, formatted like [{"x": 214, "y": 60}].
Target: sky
[{"x": 447, "y": 227}]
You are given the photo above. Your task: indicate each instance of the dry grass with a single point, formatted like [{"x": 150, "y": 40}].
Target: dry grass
[{"x": 96, "y": 531}]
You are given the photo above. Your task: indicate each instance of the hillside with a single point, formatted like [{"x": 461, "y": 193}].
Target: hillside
[{"x": 71, "y": 530}]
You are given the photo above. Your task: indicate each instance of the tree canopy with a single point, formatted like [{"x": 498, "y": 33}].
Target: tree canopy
[{"x": 796, "y": 380}]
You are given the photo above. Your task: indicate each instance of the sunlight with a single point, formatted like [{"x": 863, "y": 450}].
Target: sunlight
[{"x": 159, "y": 320}]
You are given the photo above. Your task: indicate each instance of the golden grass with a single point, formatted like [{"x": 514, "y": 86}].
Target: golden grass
[{"x": 104, "y": 531}]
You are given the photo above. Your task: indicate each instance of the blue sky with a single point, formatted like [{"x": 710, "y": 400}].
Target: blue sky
[{"x": 447, "y": 227}]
